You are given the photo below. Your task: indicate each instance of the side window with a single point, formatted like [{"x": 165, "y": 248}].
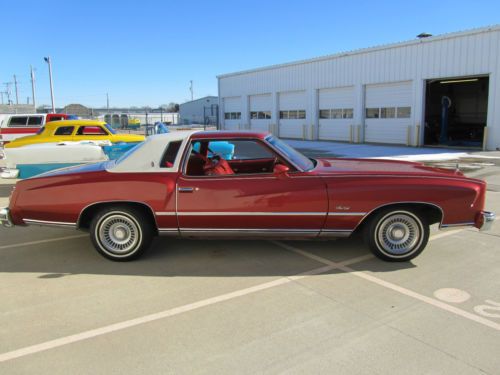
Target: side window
[
  {"x": 244, "y": 150},
  {"x": 35, "y": 120},
  {"x": 18, "y": 121},
  {"x": 91, "y": 130},
  {"x": 64, "y": 130},
  {"x": 170, "y": 154}
]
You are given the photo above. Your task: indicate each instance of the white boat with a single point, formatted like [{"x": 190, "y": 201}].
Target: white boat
[{"x": 31, "y": 160}]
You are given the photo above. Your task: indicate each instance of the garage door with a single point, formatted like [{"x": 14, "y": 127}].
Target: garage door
[
  {"x": 292, "y": 114},
  {"x": 260, "y": 112},
  {"x": 336, "y": 113},
  {"x": 232, "y": 112},
  {"x": 388, "y": 112}
]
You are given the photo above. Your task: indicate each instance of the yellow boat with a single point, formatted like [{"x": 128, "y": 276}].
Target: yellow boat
[{"x": 74, "y": 131}]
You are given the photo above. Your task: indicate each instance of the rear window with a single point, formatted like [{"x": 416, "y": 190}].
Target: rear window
[
  {"x": 18, "y": 121},
  {"x": 170, "y": 154},
  {"x": 64, "y": 130}
]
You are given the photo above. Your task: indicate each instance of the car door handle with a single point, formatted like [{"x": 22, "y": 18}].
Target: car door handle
[{"x": 185, "y": 189}]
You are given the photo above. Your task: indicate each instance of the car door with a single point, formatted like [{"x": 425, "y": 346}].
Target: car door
[{"x": 258, "y": 203}]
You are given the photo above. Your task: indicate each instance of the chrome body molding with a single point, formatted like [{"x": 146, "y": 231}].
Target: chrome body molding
[
  {"x": 346, "y": 213},
  {"x": 173, "y": 232},
  {"x": 245, "y": 232},
  {"x": 468, "y": 224},
  {"x": 117, "y": 202},
  {"x": 252, "y": 213},
  {"x": 5, "y": 218},
  {"x": 50, "y": 223},
  {"x": 488, "y": 219},
  {"x": 335, "y": 233},
  {"x": 234, "y": 213}
]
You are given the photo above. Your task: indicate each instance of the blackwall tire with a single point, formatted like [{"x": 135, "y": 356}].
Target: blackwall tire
[
  {"x": 397, "y": 235},
  {"x": 121, "y": 233}
]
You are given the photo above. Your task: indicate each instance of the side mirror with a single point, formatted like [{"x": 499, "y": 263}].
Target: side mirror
[{"x": 280, "y": 171}]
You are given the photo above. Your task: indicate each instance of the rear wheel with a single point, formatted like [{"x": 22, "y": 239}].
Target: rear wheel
[
  {"x": 397, "y": 235},
  {"x": 121, "y": 233}
]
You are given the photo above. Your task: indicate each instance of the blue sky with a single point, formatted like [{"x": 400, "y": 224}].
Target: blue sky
[{"x": 145, "y": 52}]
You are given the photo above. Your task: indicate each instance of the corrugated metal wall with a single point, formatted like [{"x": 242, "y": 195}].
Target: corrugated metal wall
[{"x": 453, "y": 55}]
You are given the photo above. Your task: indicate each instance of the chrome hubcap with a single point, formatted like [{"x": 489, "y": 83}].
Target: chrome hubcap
[
  {"x": 399, "y": 234},
  {"x": 119, "y": 234}
]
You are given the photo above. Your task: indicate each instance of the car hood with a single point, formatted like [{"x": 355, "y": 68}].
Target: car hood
[{"x": 338, "y": 166}]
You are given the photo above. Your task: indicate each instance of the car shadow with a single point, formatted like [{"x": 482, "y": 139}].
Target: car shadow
[{"x": 191, "y": 258}]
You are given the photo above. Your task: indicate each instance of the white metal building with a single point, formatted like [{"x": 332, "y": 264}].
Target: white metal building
[
  {"x": 199, "y": 111},
  {"x": 438, "y": 90}
]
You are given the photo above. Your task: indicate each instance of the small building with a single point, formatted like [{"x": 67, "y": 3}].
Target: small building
[
  {"x": 200, "y": 111},
  {"x": 78, "y": 110},
  {"x": 433, "y": 90}
]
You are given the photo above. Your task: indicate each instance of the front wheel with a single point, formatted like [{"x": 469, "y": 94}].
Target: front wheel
[
  {"x": 397, "y": 235},
  {"x": 121, "y": 233}
]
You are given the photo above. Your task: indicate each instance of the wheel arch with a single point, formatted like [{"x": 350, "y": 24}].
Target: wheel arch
[
  {"x": 89, "y": 211},
  {"x": 430, "y": 211}
]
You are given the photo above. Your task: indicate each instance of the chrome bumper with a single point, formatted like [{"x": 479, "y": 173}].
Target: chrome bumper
[
  {"x": 5, "y": 219},
  {"x": 488, "y": 219}
]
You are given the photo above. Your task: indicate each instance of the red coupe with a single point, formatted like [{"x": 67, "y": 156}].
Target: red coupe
[{"x": 177, "y": 184}]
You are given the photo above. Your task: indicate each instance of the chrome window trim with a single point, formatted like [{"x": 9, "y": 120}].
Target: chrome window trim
[{"x": 189, "y": 146}]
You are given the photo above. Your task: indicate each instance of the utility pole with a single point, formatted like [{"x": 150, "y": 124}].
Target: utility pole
[
  {"x": 1, "y": 93},
  {"x": 48, "y": 61},
  {"x": 191, "y": 89},
  {"x": 17, "y": 93},
  {"x": 107, "y": 101},
  {"x": 7, "y": 91},
  {"x": 33, "y": 89}
]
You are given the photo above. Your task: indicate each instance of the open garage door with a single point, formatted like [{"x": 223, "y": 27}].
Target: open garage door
[
  {"x": 388, "y": 112},
  {"x": 456, "y": 111},
  {"x": 336, "y": 112},
  {"x": 260, "y": 112},
  {"x": 232, "y": 112}
]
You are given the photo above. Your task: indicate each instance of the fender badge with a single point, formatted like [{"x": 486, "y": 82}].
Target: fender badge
[{"x": 342, "y": 208}]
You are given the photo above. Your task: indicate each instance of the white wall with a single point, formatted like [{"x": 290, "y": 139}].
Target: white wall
[{"x": 453, "y": 55}]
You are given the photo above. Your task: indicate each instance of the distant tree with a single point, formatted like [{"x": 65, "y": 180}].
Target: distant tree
[{"x": 172, "y": 107}]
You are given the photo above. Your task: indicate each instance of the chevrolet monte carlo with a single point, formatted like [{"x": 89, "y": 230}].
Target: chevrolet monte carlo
[{"x": 176, "y": 184}]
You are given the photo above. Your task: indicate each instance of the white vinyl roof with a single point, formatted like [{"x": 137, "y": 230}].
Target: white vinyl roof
[{"x": 146, "y": 156}]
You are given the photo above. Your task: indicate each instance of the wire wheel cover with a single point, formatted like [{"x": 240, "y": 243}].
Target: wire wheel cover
[
  {"x": 119, "y": 234},
  {"x": 399, "y": 234}
]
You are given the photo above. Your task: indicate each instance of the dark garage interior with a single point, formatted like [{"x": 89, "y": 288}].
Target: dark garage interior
[{"x": 456, "y": 111}]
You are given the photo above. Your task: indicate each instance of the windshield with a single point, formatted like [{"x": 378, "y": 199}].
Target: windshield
[
  {"x": 111, "y": 130},
  {"x": 293, "y": 155}
]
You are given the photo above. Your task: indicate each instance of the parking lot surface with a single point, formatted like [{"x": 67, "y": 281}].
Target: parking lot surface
[{"x": 250, "y": 306}]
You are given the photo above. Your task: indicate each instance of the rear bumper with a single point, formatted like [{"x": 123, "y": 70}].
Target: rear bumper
[
  {"x": 487, "y": 219},
  {"x": 5, "y": 218}
]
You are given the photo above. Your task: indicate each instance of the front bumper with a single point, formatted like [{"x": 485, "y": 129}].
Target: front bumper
[
  {"x": 5, "y": 218},
  {"x": 487, "y": 220}
]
